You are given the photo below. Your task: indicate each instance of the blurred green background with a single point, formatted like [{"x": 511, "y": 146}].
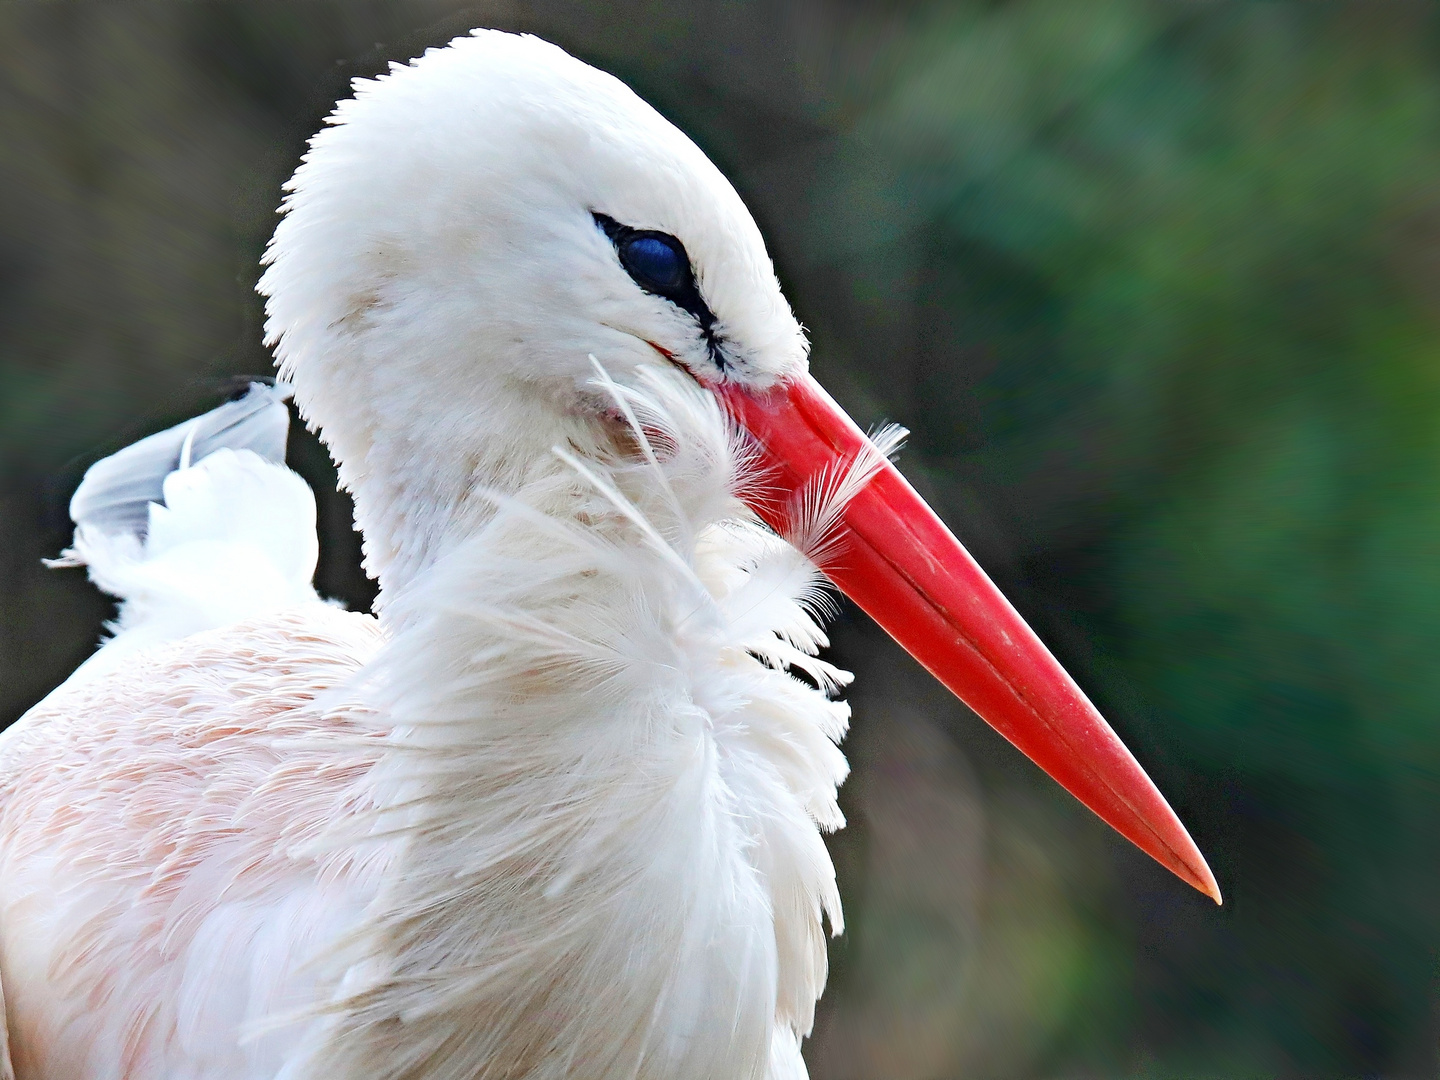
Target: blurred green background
[{"x": 1157, "y": 286}]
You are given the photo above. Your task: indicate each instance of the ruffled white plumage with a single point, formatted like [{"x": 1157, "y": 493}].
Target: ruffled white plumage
[
  {"x": 563, "y": 820},
  {"x": 595, "y": 772}
]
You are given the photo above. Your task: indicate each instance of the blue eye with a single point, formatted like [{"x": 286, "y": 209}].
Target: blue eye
[{"x": 656, "y": 263}]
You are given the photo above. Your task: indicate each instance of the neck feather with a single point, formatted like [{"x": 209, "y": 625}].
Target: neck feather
[{"x": 602, "y": 765}]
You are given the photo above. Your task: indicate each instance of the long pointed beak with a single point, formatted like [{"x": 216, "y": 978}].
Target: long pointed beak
[{"x": 897, "y": 560}]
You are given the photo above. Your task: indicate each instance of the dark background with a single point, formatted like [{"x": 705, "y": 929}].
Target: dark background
[{"x": 1157, "y": 286}]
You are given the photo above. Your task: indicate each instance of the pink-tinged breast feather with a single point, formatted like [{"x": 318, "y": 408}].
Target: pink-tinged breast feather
[{"x": 157, "y": 898}]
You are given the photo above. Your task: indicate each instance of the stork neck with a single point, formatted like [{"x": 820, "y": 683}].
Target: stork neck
[{"x": 416, "y": 499}]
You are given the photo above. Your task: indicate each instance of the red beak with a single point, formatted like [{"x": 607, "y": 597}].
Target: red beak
[{"x": 899, "y": 562}]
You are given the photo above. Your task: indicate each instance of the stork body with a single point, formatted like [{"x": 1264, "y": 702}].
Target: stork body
[
  {"x": 559, "y": 820},
  {"x": 556, "y": 811}
]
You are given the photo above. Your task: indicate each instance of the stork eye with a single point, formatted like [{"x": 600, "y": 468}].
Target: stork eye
[{"x": 657, "y": 262}]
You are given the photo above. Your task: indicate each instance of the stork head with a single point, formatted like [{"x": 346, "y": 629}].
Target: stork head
[
  {"x": 472, "y": 228},
  {"x": 462, "y": 237}
]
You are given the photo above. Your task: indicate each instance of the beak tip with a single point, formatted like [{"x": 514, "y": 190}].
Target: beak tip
[
  {"x": 1210, "y": 887},
  {"x": 1195, "y": 872}
]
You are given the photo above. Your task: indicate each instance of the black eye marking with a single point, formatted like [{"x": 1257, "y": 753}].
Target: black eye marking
[{"x": 657, "y": 262}]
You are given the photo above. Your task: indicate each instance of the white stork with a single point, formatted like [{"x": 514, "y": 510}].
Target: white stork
[{"x": 556, "y": 810}]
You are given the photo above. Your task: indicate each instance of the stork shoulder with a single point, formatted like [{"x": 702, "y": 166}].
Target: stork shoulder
[{"x": 153, "y": 832}]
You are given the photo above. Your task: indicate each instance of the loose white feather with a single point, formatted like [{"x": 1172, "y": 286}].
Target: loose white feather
[
  {"x": 115, "y": 496},
  {"x": 197, "y": 527}
]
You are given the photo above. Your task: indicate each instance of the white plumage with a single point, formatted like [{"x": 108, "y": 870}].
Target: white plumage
[{"x": 557, "y": 813}]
